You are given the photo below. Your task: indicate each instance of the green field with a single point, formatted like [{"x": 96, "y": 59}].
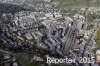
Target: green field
[{"x": 97, "y": 39}]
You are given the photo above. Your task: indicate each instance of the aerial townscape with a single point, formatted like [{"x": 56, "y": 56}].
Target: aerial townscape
[{"x": 49, "y": 32}]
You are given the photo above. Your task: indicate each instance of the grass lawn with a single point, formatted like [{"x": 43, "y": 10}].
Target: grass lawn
[
  {"x": 31, "y": 65},
  {"x": 97, "y": 39},
  {"x": 23, "y": 58}
]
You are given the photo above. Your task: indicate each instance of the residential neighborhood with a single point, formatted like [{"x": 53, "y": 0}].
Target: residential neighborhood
[{"x": 45, "y": 28}]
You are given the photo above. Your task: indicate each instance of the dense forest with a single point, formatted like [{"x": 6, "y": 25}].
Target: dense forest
[{"x": 9, "y": 8}]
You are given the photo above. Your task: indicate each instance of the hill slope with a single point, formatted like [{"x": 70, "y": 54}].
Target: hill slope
[{"x": 9, "y": 8}]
